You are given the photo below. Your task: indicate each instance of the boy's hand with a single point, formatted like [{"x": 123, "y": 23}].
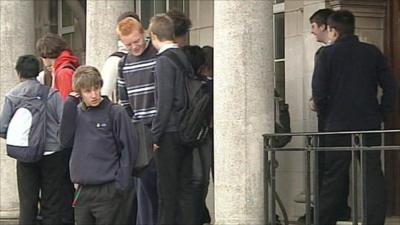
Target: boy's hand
[{"x": 155, "y": 147}]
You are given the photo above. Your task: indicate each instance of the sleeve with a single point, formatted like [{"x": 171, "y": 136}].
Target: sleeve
[
  {"x": 122, "y": 93},
  {"x": 5, "y": 117},
  {"x": 320, "y": 82},
  {"x": 68, "y": 122},
  {"x": 56, "y": 104},
  {"x": 64, "y": 81},
  {"x": 109, "y": 74},
  {"x": 388, "y": 84},
  {"x": 165, "y": 77},
  {"x": 128, "y": 147}
]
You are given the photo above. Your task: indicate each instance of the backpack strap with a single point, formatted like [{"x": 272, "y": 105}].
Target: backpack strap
[
  {"x": 68, "y": 66},
  {"x": 119, "y": 54}
]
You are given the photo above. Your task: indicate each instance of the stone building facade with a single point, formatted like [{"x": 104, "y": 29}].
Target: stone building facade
[{"x": 259, "y": 46}]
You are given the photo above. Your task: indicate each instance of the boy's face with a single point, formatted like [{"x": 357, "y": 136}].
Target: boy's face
[
  {"x": 48, "y": 63},
  {"x": 155, "y": 41},
  {"x": 319, "y": 32},
  {"x": 135, "y": 42},
  {"x": 91, "y": 96}
]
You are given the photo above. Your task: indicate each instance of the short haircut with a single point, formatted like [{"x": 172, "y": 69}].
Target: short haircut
[
  {"x": 128, "y": 25},
  {"x": 86, "y": 77},
  {"x": 195, "y": 56},
  {"x": 163, "y": 27},
  {"x": 28, "y": 66},
  {"x": 209, "y": 57},
  {"x": 182, "y": 23},
  {"x": 128, "y": 14},
  {"x": 343, "y": 21},
  {"x": 50, "y": 46},
  {"x": 320, "y": 17}
]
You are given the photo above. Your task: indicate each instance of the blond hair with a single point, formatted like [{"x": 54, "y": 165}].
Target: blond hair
[{"x": 86, "y": 77}]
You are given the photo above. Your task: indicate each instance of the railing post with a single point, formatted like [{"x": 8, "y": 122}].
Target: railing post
[
  {"x": 307, "y": 180},
  {"x": 316, "y": 178},
  {"x": 363, "y": 171},
  {"x": 266, "y": 175},
  {"x": 354, "y": 146},
  {"x": 273, "y": 186}
]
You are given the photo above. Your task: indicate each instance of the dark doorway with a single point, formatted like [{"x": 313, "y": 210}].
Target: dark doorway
[{"x": 392, "y": 158}]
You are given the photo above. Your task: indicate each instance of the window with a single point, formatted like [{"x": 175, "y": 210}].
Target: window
[
  {"x": 148, "y": 8},
  {"x": 279, "y": 46},
  {"x": 69, "y": 27}
]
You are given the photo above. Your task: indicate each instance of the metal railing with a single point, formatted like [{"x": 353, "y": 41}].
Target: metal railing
[{"x": 312, "y": 146}]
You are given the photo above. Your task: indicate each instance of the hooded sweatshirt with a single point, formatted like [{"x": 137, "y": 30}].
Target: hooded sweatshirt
[{"x": 64, "y": 68}]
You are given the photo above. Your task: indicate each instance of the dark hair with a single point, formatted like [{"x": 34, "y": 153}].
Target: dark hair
[
  {"x": 28, "y": 66},
  {"x": 130, "y": 14},
  {"x": 320, "y": 17},
  {"x": 86, "y": 77},
  {"x": 182, "y": 23},
  {"x": 195, "y": 56},
  {"x": 50, "y": 46},
  {"x": 163, "y": 27},
  {"x": 343, "y": 21},
  {"x": 209, "y": 57}
]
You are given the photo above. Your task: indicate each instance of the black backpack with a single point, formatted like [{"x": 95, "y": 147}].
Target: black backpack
[
  {"x": 194, "y": 122},
  {"x": 26, "y": 133},
  {"x": 282, "y": 121}
]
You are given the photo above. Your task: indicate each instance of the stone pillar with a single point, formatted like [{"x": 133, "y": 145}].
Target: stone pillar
[
  {"x": 101, "y": 39},
  {"x": 244, "y": 108},
  {"x": 17, "y": 38}
]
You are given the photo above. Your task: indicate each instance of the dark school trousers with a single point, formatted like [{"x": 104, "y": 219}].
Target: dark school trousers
[
  {"x": 68, "y": 189},
  {"x": 47, "y": 177},
  {"x": 343, "y": 209},
  {"x": 334, "y": 185},
  {"x": 174, "y": 169},
  {"x": 202, "y": 163},
  {"x": 102, "y": 205},
  {"x": 147, "y": 196}
]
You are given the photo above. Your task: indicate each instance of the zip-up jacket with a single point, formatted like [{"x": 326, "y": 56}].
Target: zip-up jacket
[
  {"x": 31, "y": 89},
  {"x": 345, "y": 85}
]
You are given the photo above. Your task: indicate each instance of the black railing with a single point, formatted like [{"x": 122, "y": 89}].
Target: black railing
[{"x": 312, "y": 146}]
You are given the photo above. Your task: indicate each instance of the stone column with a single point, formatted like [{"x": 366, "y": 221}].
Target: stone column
[
  {"x": 244, "y": 109},
  {"x": 17, "y": 37},
  {"x": 101, "y": 39}
]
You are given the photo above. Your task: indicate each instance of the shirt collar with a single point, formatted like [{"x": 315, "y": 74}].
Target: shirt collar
[{"x": 167, "y": 46}]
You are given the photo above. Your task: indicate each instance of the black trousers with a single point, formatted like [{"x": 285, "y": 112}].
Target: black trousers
[
  {"x": 102, "y": 205},
  {"x": 47, "y": 177},
  {"x": 202, "y": 164},
  {"x": 334, "y": 185},
  {"x": 175, "y": 191}
]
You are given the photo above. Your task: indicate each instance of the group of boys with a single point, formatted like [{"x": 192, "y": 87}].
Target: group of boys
[{"x": 93, "y": 146}]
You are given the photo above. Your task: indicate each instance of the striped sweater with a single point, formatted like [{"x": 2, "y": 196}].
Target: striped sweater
[{"x": 136, "y": 85}]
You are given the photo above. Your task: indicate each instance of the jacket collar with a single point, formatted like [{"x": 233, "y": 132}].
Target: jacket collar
[{"x": 347, "y": 38}]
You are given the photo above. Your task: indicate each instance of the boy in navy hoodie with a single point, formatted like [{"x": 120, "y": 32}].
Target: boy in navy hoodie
[{"x": 104, "y": 150}]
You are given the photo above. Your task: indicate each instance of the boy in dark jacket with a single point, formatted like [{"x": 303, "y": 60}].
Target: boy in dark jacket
[
  {"x": 104, "y": 150},
  {"x": 345, "y": 85},
  {"x": 173, "y": 160}
]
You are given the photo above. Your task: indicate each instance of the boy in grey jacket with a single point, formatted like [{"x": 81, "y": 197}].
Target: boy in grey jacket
[{"x": 46, "y": 175}]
